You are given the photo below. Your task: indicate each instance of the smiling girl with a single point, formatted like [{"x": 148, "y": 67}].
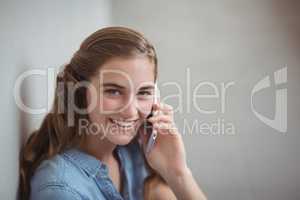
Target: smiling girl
[{"x": 92, "y": 143}]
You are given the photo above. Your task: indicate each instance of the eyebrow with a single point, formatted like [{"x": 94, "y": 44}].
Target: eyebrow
[
  {"x": 147, "y": 87},
  {"x": 113, "y": 85},
  {"x": 123, "y": 87}
]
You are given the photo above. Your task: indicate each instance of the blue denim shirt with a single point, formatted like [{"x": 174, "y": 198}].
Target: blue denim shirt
[{"x": 76, "y": 175}]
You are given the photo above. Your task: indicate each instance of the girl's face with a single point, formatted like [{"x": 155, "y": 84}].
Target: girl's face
[{"x": 120, "y": 98}]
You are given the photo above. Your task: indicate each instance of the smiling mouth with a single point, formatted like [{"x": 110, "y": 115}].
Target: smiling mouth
[{"x": 122, "y": 123}]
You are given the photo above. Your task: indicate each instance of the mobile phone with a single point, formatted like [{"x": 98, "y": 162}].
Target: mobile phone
[{"x": 149, "y": 128}]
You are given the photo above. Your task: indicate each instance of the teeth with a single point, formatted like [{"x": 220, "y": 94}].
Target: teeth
[{"x": 122, "y": 123}]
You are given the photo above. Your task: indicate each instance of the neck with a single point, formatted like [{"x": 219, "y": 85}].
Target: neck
[{"x": 99, "y": 147}]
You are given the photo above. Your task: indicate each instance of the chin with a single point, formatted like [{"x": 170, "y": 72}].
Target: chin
[{"x": 120, "y": 138}]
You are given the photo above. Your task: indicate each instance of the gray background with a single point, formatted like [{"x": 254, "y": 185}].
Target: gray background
[{"x": 219, "y": 41}]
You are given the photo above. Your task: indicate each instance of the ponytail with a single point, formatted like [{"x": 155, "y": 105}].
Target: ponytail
[
  {"x": 53, "y": 136},
  {"x": 37, "y": 148}
]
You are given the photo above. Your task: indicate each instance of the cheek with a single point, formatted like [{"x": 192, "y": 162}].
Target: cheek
[
  {"x": 102, "y": 107},
  {"x": 109, "y": 104},
  {"x": 145, "y": 107}
]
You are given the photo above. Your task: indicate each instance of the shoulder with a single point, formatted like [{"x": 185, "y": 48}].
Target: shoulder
[
  {"x": 57, "y": 178},
  {"x": 57, "y": 191},
  {"x": 51, "y": 170}
]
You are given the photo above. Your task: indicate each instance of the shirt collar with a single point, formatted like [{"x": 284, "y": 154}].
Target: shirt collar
[{"x": 91, "y": 165}]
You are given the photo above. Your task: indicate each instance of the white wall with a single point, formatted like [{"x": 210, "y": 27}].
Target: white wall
[
  {"x": 222, "y": 41},
  {"x": 36, "y": 35}
]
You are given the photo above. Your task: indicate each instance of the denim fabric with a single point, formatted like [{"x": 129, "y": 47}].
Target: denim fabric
[{"x": 77, "y": 175}]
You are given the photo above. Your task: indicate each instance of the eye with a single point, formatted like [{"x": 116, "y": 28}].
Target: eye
[
  {"x": 145, "y": 94},
  {"x": 112, "y": 92}
]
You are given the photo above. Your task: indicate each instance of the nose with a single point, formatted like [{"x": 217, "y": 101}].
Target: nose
[{"x": 130, "y": 110}]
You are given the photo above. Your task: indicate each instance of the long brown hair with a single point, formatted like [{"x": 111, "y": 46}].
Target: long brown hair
[{"x": 56, "y": 133}]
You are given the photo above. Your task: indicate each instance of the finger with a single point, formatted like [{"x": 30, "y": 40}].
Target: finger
[
  {"x": 164, "y": 128},
  {"x": 165, "y": 108},
  {"x": 160, "y": 118},
  {"x": 155, "y": 106}
]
